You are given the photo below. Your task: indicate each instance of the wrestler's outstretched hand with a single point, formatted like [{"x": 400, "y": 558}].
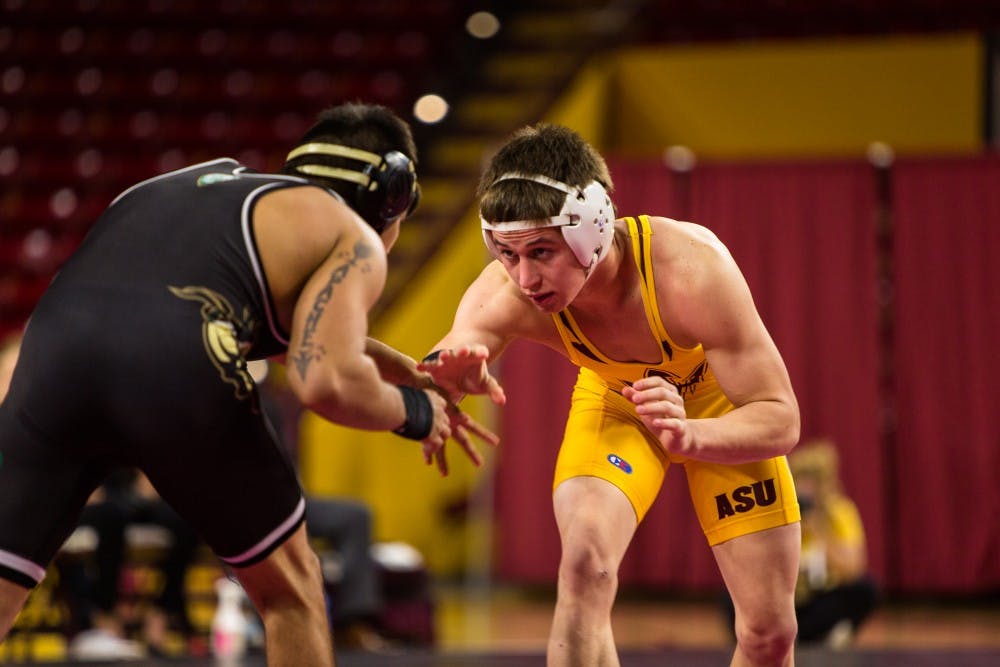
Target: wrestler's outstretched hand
[
  {"x": 460, "y": 427},
  {"x": 462, "y": 371}
]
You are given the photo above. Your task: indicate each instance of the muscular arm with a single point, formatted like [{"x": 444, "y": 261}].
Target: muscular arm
[
  {"x": 326, "y": 268},
  {"x": 328, "y": 367},
  {"x": 488, "y": 317},
  {"x": 711, "y": 304},
  {"x": 481, "y": 317},
  {"x": 394, "y": 366}
]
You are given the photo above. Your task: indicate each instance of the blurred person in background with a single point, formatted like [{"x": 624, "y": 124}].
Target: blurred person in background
[
  {"x": 125, "y": 499},
  {"x": 834, "y": 593},
  {"x": 136, "y": 355}
]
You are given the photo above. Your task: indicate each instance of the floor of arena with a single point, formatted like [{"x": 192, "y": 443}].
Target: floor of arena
[
  {"x": 641, "y": 658},
  {"x": 508, "y": 629}
]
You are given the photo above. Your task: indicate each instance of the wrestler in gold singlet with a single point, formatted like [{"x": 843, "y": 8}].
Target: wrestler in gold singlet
[{"x": 604, "y": 438}]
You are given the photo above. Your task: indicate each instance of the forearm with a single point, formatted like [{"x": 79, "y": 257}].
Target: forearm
[
  {"x": 354, "y": 394},
  {"x": 753, "y": 432},
  {"x": 394, "y": 366}
]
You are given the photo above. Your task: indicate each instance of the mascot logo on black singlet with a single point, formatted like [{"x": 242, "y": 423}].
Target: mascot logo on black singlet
[
  {"x": 685, "y": 385},
  {"x": 219, "y": 333}
]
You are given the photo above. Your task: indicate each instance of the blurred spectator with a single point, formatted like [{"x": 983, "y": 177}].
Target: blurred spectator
[
  {"x": 834, "y": 593},
  {"x": 128, "y": 499}
]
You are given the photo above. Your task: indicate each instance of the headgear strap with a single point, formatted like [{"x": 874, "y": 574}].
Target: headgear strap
[
  {"x": 387, "y": 187},
  {"x": 586, "y": 218}
]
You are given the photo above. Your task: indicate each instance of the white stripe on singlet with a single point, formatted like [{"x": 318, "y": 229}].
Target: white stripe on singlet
[
  {"x": 258, "y": 271},
  {"x": 271, "y": 538},
  {"x": 22, "y": 565}
]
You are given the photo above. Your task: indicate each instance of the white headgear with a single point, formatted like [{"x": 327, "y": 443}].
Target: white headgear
[{"x": 586, "y": 219}]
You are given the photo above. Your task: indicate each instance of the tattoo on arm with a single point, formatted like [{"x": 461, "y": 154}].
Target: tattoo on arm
[{"x": 311, "y": 350}]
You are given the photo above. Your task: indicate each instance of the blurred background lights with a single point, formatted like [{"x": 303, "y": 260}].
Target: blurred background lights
[
  {"x": 70, "y": 122},
  {"x": 89, "y": 162},
  {"x": 880, "y": 154},
  {"x": 71, "y": 40},
  {"x": 9, "y": 160},
  {"x": 63, "y": 203},
  {"x": 482, "y": 25},
  {"x": 88, "y": 81},
  {"x": 171, "y": 159},
  {"x": 430, "y": 108},
  {"x": 679, "y": 158},
  {"x": 164, "y": 82},
  {"x": 144, "y": 123},
  {"x": 36, "y": 246},
  {"x": 12, "y": 80}
]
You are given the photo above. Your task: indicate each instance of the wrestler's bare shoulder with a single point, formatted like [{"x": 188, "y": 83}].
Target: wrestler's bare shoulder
[{"x": 677, "y": 234}]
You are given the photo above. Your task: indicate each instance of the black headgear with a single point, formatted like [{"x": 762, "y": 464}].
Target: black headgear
[{"x": 386, "y": 185}]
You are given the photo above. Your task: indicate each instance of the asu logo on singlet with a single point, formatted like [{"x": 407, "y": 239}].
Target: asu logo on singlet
[
  {"x": 745, "y": 498},
  {"x": 220, "y": 333}
]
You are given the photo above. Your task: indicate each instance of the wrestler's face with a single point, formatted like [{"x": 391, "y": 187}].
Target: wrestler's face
[{"x": 543, "y": 266}]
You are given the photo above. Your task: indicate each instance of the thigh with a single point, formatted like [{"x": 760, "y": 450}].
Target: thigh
[
  {"x": 760, "y": 570},
  {"x": 603, "y": 440},
  {"x": 42, "y": 493},
  {"x": 735, "y": 500},
  {"x": 234, "y": 484},
  {"x": 595, "y": 516}
]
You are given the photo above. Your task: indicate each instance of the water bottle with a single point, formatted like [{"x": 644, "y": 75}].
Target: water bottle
[{"x": 229, "y": 626}]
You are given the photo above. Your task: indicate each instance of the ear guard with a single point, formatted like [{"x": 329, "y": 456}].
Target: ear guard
[
  {"x": 586, "y": 219},
  {"x": 386, "y": 185}
]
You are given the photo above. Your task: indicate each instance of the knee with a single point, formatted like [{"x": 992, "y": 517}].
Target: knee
[
  {"x": 305, "y": 573},
  {"x": 293, "y": 582},
  {"x": 585, "y": 573},
  {"x": 767, "y": 641}
]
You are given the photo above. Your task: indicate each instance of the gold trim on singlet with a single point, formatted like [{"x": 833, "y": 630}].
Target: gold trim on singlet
[{"x": 577, "y": 343}]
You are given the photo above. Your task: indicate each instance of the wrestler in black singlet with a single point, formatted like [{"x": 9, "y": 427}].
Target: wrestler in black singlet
[{"x": 136, "y": 355}]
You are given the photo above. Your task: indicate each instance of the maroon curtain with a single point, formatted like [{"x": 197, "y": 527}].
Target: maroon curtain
[
  {"x": 947, "y": 451},
  {"x": 538, "y": 383},
  {"x": 803, "y": 234}
]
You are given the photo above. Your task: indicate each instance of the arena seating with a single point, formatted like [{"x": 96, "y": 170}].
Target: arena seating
[{"x": 95, "y": 96}]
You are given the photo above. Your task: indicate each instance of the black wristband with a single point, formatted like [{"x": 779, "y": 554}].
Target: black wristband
[
  {"x": 432, "y": 356},
  {"x": 419, "y": 414}
]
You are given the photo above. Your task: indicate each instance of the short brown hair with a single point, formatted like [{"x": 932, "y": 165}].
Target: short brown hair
[{"x": 546, "y": 150}]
